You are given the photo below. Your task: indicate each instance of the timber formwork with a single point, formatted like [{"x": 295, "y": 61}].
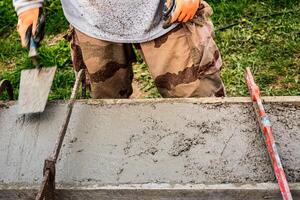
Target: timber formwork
[{"x": 151, "y": 149}]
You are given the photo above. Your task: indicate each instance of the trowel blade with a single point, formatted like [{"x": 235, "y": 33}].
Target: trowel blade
[{"x": 34, "y": 89}]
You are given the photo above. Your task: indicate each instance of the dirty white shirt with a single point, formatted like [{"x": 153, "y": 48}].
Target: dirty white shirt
[{"x": 122, "y": 21}]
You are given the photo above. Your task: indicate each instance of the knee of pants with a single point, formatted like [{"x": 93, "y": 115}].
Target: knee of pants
[
  {"x": 206, "y": 86},
  {"x": 99, "y": 92},
  {"x": 117, "y": 86}
]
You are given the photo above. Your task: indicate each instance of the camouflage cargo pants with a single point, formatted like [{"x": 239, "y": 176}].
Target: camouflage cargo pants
[{"x": 184, "y": 63}]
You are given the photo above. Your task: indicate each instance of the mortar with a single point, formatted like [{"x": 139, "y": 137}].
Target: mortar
[{"x": 151, "y": 149}]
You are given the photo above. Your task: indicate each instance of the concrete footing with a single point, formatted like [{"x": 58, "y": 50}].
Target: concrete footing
[
  {"x": 160, "y": 192},
  {"x": 151, "y": 149}
]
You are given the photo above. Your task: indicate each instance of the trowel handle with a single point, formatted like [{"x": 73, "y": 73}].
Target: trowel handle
[{"x": 33, "y": 48}]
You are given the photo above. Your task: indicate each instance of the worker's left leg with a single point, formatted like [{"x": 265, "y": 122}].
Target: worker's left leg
[{"x": 186, "y": 62}]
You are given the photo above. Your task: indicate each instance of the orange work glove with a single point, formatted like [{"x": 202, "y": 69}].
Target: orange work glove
[
  {"x": 185, "y": 10},
  {"x": 31, "y": 24},
  {"x": 180, "y": 11}
]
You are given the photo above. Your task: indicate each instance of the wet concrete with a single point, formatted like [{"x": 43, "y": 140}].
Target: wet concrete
[{"x": 138, "y": 142}]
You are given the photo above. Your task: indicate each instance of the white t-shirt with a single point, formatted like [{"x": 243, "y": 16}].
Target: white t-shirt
[{"x": 122, "y": 21}]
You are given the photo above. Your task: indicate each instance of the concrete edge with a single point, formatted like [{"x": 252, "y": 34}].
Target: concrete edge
[
  {"x": 160, "y": 192},
  {"x": 160, "y": 186},
  {"x": 210, "y": 100}
]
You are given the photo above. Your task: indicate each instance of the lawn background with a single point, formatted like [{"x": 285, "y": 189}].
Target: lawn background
[{"x": 267, "y": 39}]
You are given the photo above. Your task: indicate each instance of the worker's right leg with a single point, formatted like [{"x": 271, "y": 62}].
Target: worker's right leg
[{"x": 108, "y": 65}]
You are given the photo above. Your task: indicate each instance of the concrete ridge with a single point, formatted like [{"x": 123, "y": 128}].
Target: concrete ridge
[
  {"x": 204, "y": 100},
  {"x": 261, "y": 191},
  {"x": 160, "y": 186}
]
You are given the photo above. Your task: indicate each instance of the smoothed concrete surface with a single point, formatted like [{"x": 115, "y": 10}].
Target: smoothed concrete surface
[{"x": 187, "y": 141}]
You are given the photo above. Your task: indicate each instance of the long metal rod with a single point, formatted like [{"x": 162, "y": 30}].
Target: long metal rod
[
  {"x": 266, "y": 129},
  {"x": 63, "y": 131},
  {"x": 47, "y": 188},
  {"x": 42, "y": 190}
]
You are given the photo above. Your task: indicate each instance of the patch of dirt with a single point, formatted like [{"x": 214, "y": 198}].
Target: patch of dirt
[
  {"x": 56, "y": 39},
  {"x": 180, "y": 145},
  {"x": 6, "y": 66},
  {"x": 137, "y": 92},
  {"x": 183, "y": 144}
]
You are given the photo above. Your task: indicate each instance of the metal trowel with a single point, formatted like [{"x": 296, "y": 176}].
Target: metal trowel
[{"x": 35, "y": 84}]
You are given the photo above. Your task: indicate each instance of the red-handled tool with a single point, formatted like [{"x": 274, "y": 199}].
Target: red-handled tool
[{"x": 266, "y": 129}]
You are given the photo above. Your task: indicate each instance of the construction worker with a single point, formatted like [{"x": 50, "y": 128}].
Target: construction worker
[{"x": 183, "y": 58}]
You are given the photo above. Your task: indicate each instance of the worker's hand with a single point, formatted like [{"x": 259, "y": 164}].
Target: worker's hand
[
  {"x": 185, "y": 10},
  {"x": 31, "y": 24},
  {"x": 180, "y": 11}
]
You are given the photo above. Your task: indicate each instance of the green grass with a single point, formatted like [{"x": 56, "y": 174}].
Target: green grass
[
  {"x": 13, "y": 58},
  {"x": 270, "y": 46}
]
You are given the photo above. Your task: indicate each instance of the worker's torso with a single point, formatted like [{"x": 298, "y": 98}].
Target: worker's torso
[{"x": 117, "y": 20}]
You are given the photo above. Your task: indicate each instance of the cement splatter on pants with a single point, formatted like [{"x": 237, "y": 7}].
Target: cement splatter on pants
[{"x": 184, "y": 63}]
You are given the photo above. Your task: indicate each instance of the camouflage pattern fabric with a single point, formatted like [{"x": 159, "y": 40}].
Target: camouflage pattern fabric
[
  {"x": 109, "y": 71},
  {"x": 186, "y": 62}
]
